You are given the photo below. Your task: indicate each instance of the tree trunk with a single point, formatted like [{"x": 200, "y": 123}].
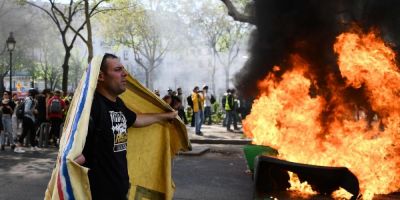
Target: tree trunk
[
  {"x": 237, "y": 16},
  {"x": 33, "y": 82},
  {"x": 89, "y": 32},
  {"x": 45, "y": 76},
  {"x": 227, "y": 77},
  {"x": 2, "y": 88},
  {"x": 147, "y": 72},
  {"x": 151, "y": 70},
  {"x": 213, "y": 73},
  {"x": 65, "y": 68}
]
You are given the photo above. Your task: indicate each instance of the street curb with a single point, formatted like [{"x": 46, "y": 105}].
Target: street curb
[
  {"x": 196, "y": 151},
  {"x": 219, "y": 141}
]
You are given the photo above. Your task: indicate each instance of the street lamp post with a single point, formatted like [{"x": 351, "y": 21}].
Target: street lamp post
[{"x": 10, "y": 46}]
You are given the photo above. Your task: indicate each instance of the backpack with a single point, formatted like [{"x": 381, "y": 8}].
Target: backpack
[
  {"x": 212, "y": 99},
  {"x": 55, "y": 106},
  {"x": 190, "y": 101},
  {"x": 20, "y": 110}
]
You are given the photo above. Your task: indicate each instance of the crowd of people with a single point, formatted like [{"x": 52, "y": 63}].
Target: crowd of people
[
  {"x": 50, "y": 107},
  {"x": 200, "y": 103},
  {"x": 31, "y": 112}
]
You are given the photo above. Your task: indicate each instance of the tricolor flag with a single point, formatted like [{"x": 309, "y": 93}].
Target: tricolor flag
[{"x": 149, "y": 153}]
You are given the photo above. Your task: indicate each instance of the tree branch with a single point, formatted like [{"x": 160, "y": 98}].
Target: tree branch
[
  {"x": 52, "y": 17},
  {"x": 234, "y": 13}
]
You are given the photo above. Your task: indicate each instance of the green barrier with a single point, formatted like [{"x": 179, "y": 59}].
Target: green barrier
[{"x": 251, "y": 151}]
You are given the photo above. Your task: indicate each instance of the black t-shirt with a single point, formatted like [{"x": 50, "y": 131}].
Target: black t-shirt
[
  {"x": 6, "y": 110},
  {"x": 105, "y": 148},
  {"x": 41, "y": 107}
]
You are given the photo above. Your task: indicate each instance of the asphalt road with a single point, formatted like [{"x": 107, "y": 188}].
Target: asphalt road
[
  {"x": 215, "y": 175},
  {"x": 218, "y": 174},
  {"x": 25, "y": 176}
]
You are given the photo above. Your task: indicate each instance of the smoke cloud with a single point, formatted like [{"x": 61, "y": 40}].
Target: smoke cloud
[{"x": 309, "y": 28}]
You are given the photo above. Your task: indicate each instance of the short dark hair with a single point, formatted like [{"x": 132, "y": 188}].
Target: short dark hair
[
  {"x": 46, "y": 91},
  {"x": 103, "y": 65},
  {"x": 32, "y": 92}
]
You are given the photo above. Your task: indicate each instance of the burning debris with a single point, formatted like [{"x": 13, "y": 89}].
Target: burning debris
[{"x": 328, "y": 86}]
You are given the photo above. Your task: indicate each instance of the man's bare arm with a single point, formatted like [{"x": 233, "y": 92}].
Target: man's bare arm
[{"x": 143, "y": 120}]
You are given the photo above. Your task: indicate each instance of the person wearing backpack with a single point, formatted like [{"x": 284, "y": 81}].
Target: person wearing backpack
[
  {"x": 207, "y": 106},
  {"x": 190, "y": 103},
  {"x": 181, "y": 110},
  {"x": 28, "y": 122},
  {"x": 230, "y": 111},
  {"x": 55, "y": 110}
]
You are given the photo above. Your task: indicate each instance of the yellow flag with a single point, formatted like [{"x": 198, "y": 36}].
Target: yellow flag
[{"x": 149, "y": 153}]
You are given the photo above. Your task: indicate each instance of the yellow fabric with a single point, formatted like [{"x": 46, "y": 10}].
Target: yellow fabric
[
  {"x": 196, "y": 97},
  {"x": 150, "y": 149}
]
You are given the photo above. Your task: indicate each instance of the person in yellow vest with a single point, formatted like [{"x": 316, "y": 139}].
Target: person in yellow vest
[
  {"x": 198, "y": 107},
  {"x": 230, "y": 111}
]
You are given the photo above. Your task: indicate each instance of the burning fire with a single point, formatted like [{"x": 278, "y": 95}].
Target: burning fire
[
  {"x": 297, "y": 185},
  {"x": 365, "y": 140}
]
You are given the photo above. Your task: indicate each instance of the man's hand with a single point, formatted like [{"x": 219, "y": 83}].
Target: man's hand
[
  {"x": 80, "y": 159},
  {"x": 172, "y": 115}
]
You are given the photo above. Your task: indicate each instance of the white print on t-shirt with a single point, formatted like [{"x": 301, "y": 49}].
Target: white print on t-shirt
[{"x": 118, "y": 127}]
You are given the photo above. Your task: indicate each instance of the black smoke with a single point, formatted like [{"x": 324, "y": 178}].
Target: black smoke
[{"x": 309, "y": 28}]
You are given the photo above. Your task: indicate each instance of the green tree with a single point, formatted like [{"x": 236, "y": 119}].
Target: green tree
[
  {"x": 25, "y": 24},
  {"x": 222, "y": 35},
  {"x": 228, "y": 46},
  {"x": 135, "y": 28},
  {"x": 69, "y": 22}
]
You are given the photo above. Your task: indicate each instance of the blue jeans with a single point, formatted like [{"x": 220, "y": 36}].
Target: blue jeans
[
  {"x": 198, "y": 117},
  {"x": 6, "y": 120},
  {"x": 207, "y": 115},
  {"x": 231, "y": 118}
]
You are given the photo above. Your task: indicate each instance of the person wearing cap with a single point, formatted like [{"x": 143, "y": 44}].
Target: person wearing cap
[
  {"x": 157, "y": 92},
  {"x": 7, "y": 109},
  {"x": 28, "y": 122},
  {"x": 207, "y": 105},
  {"x": 169, "y": 92},
  {"x": 198, "y": 108}
]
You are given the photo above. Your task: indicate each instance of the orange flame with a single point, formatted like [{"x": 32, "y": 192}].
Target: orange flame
[
  {"x": 287, "y": 118},
  {"x": 297, "y": 185}
]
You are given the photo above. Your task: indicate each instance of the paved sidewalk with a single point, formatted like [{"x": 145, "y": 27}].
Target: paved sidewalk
[{"x": 216, "y": 134}]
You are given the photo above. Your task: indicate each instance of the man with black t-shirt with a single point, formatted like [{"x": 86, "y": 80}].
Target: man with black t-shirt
[{"x": 105, "y": 148}]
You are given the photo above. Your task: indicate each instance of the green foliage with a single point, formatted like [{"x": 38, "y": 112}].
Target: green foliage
[
  {"x": 217, "y": 114},
  {"x": 127, "y": 25},
  {"x": 189, "y": 113}
]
